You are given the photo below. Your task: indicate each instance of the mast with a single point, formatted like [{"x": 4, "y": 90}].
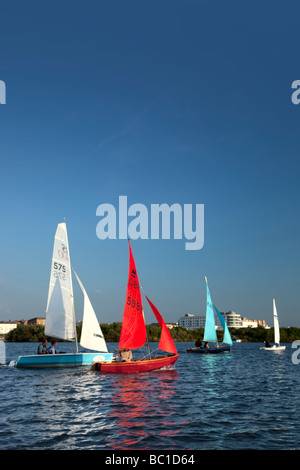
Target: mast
[
  {"x": 133, "y": 331},
  {"x": 276, "y": 325},
  {"x": 60, "y": 313},
  {"x": 210, "y": 334},
  {"x": 71, "y": 289},
  {"x": 147, "y": 341}
]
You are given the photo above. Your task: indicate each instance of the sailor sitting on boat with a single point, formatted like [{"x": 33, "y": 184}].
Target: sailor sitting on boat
[
  {"x": 42, "y": 349},
  {"x": 52, "y": 349},
  {"x": 125, "y": 355}
]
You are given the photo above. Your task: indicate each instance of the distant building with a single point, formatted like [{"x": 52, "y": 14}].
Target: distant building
[
  {"x": 171, "y": 325},
  {"x": 233, "y": 319},
  {"x": 168, "y": 325},
  {"x": 191, "y": 322},
  {"x": 37, "y": 321},
  {"x": 7, "y": 326},
  {"x": 253, "y": 323},
  {"x": 249, "y": 323}
]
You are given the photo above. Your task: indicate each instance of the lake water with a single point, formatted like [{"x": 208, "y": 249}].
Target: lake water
[{"x": 245, "y": 399}]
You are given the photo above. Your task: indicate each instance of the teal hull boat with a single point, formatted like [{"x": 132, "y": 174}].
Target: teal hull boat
[
  {"x": 60, "y": 316},
  {"x": 210, "y": 334},
  {"x": 217, "y": 350},
  {"x": 62, "y": 360}
]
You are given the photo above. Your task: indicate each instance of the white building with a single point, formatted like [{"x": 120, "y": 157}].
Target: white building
[
  {"x": 6, "y": 327},
  {"x": 191, "y": 322},
  {"x": 233, "y": 319}
]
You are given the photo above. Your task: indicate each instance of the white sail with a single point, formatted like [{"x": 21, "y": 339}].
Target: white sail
[
  {"x": 276, "y": 324},
  {"x": 60, "y": 315},
  {"x": 91, "y": 333}
]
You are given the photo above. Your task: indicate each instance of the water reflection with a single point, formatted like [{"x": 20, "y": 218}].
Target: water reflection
[
  {"x": 242, "y": 400},
  {"x": 140, "y": 404}
]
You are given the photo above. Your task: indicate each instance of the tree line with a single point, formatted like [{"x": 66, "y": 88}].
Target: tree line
[{"x": 111, "y": 332}]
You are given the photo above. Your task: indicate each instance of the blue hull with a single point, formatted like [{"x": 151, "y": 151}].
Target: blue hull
[
  {"x": 62, "y": 360},
  {"x": 219, "y": 350}
]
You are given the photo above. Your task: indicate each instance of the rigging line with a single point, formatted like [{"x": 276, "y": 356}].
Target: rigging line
[
  {"x": 143, "y": 290},
  {"x": 144, "y": 356},
  {"x": 147, "y": 341}
]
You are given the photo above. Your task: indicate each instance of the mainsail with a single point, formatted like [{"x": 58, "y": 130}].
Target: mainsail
[
  {"x": 60, "y": 314},
  {"x": 210, "y": 325},
  {"x": 91, "y": 333},
  {"x": 276, "y": 324},
  {"x": 133, "y": 332},
  {"x": 166, "y": 342}
]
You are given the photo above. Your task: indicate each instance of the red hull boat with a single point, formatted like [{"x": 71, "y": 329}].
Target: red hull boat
[
  {"x": 134, "y": 335},
  {"x": 143, "y": 365}
]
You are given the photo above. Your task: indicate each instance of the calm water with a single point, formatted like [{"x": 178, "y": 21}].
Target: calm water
[{"x": 247, "y": 399}]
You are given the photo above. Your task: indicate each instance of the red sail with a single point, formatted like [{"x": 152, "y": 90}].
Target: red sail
[
  {"x": 166, "y": 342},
  {"x": 133, "y": 332}
]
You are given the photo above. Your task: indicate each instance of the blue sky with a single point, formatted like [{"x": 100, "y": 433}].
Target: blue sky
[{"x": 164, "y": 102}]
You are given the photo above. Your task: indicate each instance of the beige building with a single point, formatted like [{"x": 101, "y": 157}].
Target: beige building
[
  {"x": 249, "y": 323},
  {"x": 7, "y": 326},
  {"x": 37, "y": 321}
]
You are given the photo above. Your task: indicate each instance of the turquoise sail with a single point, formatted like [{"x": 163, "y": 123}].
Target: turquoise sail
[
  {"x": 210, "y": 326},
  {"x": 227, "y": 338}
]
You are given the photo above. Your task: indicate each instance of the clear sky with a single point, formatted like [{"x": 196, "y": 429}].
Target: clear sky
[{"x": 165, "y": 102}]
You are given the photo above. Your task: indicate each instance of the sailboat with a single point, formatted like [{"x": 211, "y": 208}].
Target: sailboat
[
  {"x": 60, "y": 315},
  {"x": 276, "y": 346},
  {"x": 133, "y": 332},
  {"x": 210, "y": 334}
]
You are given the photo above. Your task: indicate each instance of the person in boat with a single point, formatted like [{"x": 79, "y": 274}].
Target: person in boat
[
  {"x": 125, "y": 355},
  {"x": 198, "y": 343},
  {"x": 267, "y": 344},
  {"x": 206, "y": 345},
  {"x": 42, "y": 349},
  {"x": 52, "y": 349}
]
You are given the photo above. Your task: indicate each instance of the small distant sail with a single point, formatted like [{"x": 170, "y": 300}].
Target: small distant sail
[
  {"x": 227, "y": 337},
  {"x": 91, "y": 333},
  {"x": 210, "y": 325},
  {"x": 276, "y": 324},
  {"x": 60, "y": 314},
  {"x": 133, "y": 332},
  {"x": 166, "y": 342}
]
